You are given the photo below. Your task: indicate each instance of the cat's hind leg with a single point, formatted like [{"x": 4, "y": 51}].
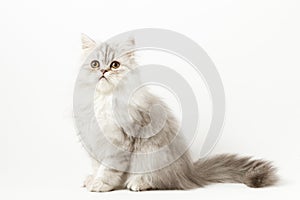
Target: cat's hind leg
[{"x": 95, "y": 167}]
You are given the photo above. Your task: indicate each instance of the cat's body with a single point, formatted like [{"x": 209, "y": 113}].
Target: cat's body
[{"x": 146, "y": 174}]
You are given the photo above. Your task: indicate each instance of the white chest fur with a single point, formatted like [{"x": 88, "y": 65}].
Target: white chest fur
[{"x": 105, "y": 115}]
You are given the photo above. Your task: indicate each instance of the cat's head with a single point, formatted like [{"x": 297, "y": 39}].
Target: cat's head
[{"x": 108, "y": 62}]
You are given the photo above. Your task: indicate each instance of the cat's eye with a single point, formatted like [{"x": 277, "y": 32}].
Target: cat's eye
[
  {"x": 115, "y": 64},
  {"x": 95, "y": 64}
]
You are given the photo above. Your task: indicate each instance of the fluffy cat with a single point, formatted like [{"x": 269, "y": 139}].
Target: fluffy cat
[{"x": 110, "y": 65}]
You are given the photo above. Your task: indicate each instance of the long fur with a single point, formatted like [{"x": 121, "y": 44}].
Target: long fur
[{"x": 182, "y": 173}]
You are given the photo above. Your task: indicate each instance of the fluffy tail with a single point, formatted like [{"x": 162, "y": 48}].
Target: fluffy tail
[{"x": 234, "y": 169}]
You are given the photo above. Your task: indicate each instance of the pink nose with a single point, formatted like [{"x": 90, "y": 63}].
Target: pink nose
[{"x": 103, "y": 70}]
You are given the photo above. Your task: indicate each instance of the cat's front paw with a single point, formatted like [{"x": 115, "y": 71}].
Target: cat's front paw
[
  {"x": 97, "y": 185},
  {"x": 88, "y": 180},
  {"x": 138, "y": 185}
]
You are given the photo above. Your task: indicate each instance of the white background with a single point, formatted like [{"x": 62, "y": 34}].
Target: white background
[{"x": 254, "y": 44}]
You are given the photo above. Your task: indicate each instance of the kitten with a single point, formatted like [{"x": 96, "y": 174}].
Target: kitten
[{"x": 110, "y": 65}]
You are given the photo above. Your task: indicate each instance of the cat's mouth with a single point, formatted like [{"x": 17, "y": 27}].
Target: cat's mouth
[{"x": 102, "y": 77}]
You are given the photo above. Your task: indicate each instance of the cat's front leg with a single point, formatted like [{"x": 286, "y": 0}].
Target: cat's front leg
[
  {"x": 114, "y": 157},
  {"x": 105, "y": 180}
]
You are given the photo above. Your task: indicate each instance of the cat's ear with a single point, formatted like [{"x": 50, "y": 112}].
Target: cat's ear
[
  {"x": 130, "y": 42},
  {"x": 127, "y": 45},
  {"x": 87, "y": 42}
]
